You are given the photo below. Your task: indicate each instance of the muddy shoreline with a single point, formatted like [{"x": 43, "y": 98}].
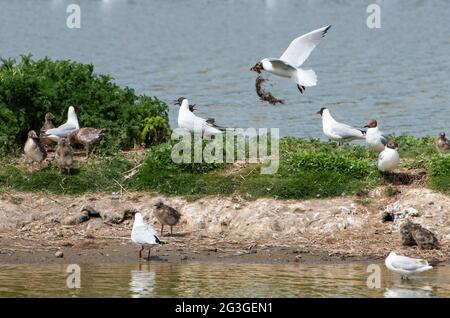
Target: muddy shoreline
[{"x": 34, "y": 227}]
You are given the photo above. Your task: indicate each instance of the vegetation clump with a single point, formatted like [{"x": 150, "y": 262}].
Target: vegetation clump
[{"x": 31, "y": 88}]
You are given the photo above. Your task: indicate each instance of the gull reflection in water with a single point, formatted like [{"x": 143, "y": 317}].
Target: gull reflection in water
[
  {"x": 408, "y": 292},
  {"x": 142, "y": 282}
]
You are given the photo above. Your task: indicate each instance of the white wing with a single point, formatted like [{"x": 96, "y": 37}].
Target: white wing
[
  {"x": 408, "y": 263},
  {"x": 144, "y": 234},
  {"x": 63, "y": 130},
  {"x": 345, "y": 131},
  {"x": 300, "y": 49}
]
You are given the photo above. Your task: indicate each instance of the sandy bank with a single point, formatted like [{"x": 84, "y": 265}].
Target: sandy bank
[{"x": 224, "y": 229}]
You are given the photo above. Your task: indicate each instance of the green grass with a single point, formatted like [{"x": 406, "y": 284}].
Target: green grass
[
  {"x": 308, "y": 169},
  {"x": 86, "y": 177}
]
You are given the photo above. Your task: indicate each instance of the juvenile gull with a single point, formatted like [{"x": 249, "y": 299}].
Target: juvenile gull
[
  {"x": 166, "y": 215},
  {"x": 143, "y": 235},
  {"x": 64, "y": 155},
  {"x": 338, "y": 131},
  {"x": 86, "y": 137},
  {"x": 406, "y": 265},
  {"x": 442, "y": 143},
  {"x": 48, "y": 124},
  {"x": 288, "y": 65},
  {"x": 375, "y": 139},
  {"x": 65, "y": 129},
  {"x": 33, "y": 149},
  {"x": 189, "y": 121}
]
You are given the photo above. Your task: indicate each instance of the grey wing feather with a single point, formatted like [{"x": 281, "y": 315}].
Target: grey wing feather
[
  {"x": 346, "y": 131},
  {"x": 143, "y": 234},
  {"x": 282, "y": 65},
  {"x": 62, "y": 131},
  {"x": 408, "y": 263}
]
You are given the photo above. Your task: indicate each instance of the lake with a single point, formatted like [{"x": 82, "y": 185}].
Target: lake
[
  {"x": 398, "y": 74},
  {"x": 217, "y": 280}
]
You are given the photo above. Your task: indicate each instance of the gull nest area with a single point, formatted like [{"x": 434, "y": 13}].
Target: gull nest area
[{"x": 265, "y": 95}]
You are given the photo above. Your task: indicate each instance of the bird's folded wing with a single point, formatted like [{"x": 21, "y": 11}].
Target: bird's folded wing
[
  {"x": 63, "y": 130},
  {"x": 407, "y": 263},
  {"x": 384, "y": 139},
  {"x": 143, "y": 234},
  {"x": 300, "y": 48},
  {"x": 345, "y": 131}
]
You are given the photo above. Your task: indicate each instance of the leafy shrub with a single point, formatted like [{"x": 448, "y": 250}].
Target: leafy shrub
[
  {"x": 346, "y": 163},
  {"x": 439, "y": 165},
  {"x": 29, "y": 89}
]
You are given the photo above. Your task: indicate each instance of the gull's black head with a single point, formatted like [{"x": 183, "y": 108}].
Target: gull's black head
[
  {"x": 179, "y": 101},
  {"x": 258, "y": 67},
  {"x": 442, "y": 135},
  {"x": 392, "y": 144},
  {"x": 371, "y": 124},
  {"x": 320, "y": 112}
]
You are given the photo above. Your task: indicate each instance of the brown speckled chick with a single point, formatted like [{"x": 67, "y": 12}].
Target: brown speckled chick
[
  {"x": 166, "y": 215},
  {"x": 64, "y": 155},
  {"x": 442, "y": 143},
  {"x": 48, "y": 124},
  {"x": 33, "y": 150}
]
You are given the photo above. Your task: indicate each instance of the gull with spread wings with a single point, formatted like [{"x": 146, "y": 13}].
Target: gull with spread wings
[{"x": 288, "y": 65}]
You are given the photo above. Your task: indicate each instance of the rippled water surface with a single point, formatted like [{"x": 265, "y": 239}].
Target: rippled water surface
[
  {"x": 217, "y": 280},
  {"x": 398, "y": 74}
]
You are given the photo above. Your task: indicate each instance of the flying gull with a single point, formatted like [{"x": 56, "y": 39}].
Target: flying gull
[{"x": 288, "y": 65}]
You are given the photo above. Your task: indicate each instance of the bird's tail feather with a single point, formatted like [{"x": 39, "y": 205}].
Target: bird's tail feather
[
  {"x": 306, "y": 78},
  {"x": 425, "y": 268}
]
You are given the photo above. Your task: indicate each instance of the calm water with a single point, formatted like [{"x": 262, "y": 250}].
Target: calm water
[
  {"x": 217, "y": 280},
  {"x": 398, "y": 74}
]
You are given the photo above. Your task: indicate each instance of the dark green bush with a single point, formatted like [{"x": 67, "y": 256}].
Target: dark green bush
[{"x": 30, "y": 88}]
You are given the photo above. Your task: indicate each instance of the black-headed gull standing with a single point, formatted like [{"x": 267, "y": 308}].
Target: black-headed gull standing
[
  {"x": 65, "y": 129},
  {"x": 338, "y": 131},
  {"x": 389, "y": 159},
  {"x": 288, "y": 65},
  {"x": 143, "y": 235},
  {"x": 189, "y": 121},
  {"x": 405, "y": 266},
  {"x": 375, "y": 139}
]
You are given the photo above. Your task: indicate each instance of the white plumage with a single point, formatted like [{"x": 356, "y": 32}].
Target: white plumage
[
  {"x": 406, "y": 265},
  {"x": 65, "y": 129},
  {"x": 288, "y": 65},
  {"x": 338, "y": 131},
  {"x": 143, "y": 234},
  {"x": 189, "y": 121},
  {"x": 389, "y": 159},
  {"x": 375, "y": 139}
]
